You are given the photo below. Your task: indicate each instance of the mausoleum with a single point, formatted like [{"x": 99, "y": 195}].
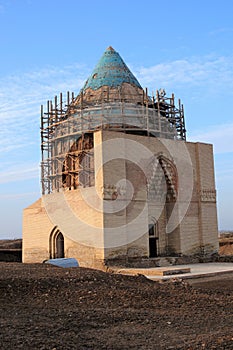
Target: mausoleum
[{"x": 120, "y": 183}]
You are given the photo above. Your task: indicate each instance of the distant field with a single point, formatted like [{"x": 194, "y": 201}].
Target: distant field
[
  {"x": 226, "y": 233},
  {"x": 11, "y": 250},
  {"x": 10, "y": 243},
  {"x": 225, "y": 242}
]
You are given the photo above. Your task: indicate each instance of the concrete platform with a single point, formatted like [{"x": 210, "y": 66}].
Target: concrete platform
[
  {"x": 168, "y": 271},
  {"x": 156, "y": 271},
  {"x": 187, "y": 271}
]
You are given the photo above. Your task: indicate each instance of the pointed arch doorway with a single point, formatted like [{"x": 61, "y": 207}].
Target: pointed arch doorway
[
  {"x": 162, "y": 189},
  {"x": 153, "y": 240},
  {"x": 56, "y": 244}
]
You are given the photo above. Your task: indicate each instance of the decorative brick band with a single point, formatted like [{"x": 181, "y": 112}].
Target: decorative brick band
[
  {"x": 208, "y": 195},
  {"x": 113, "y": 192}
]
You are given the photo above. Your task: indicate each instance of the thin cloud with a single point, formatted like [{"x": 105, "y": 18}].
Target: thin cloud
[
  {"x": 2, "y": 9},
  {"x": 18, "y": 195},
  {"x": 24, "y": 93},
  {"x": 208, "y": 72},
  {"x": 228, "y": 170},
  {"x": 20, "y": 99},
  {"x": 221, "y": 30},
  {"x": 20, "y": 173},
  {"x": 218, "y": 135}
]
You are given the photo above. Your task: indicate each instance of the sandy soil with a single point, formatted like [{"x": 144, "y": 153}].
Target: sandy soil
[
  {"x": 45, "y": 307},
  {"x": 227, "y": 249}
]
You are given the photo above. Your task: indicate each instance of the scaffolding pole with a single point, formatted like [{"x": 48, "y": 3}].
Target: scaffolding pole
[{"x": 67, "y": 156}]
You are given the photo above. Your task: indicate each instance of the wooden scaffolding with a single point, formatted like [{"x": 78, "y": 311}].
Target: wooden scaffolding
[{"x": 67, "y": 126}]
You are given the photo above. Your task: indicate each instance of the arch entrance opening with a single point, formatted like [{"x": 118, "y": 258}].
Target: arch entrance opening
[
  {"x": 56, "y": 244},
  {"x": 162, "y": 189}
]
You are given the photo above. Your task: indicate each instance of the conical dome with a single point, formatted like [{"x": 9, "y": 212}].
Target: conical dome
[
  {"x": 111, "y": 80},
  {"x": 110, "y": 71}
]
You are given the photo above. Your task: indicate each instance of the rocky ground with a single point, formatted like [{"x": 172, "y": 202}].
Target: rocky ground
[
  {"x": 226, "y": 244},
  {"x": 46, "y": 307}
]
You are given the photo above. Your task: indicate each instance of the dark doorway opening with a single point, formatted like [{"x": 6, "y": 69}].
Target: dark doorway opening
[
  {"x": 153, "y": 241},
  {"x": 60, "y": 246},
  {"x": 153, "y": 247}
]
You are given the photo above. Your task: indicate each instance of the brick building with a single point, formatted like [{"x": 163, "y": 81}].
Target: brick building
[{"x": 120, "y": 183}]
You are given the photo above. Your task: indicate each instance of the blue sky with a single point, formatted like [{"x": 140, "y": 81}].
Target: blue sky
[{"x": 49, "y": 46}]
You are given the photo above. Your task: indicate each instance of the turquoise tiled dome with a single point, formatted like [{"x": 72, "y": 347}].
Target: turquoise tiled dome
[{"x": 110, "y": 71}]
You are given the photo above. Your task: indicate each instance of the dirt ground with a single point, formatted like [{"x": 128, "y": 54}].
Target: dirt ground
[
  {"x": 46, "y": 307},
  {"x": 226, "y": 249}
]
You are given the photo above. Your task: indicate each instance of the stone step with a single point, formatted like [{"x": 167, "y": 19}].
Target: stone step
[
  {"x": 164, "y": 262},
  {"x": 171, "y": 271},
  {"x": 160, "y": 271}
]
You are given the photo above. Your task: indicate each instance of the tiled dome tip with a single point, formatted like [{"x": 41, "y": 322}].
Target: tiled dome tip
[{"x": 110, "y": 71}]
